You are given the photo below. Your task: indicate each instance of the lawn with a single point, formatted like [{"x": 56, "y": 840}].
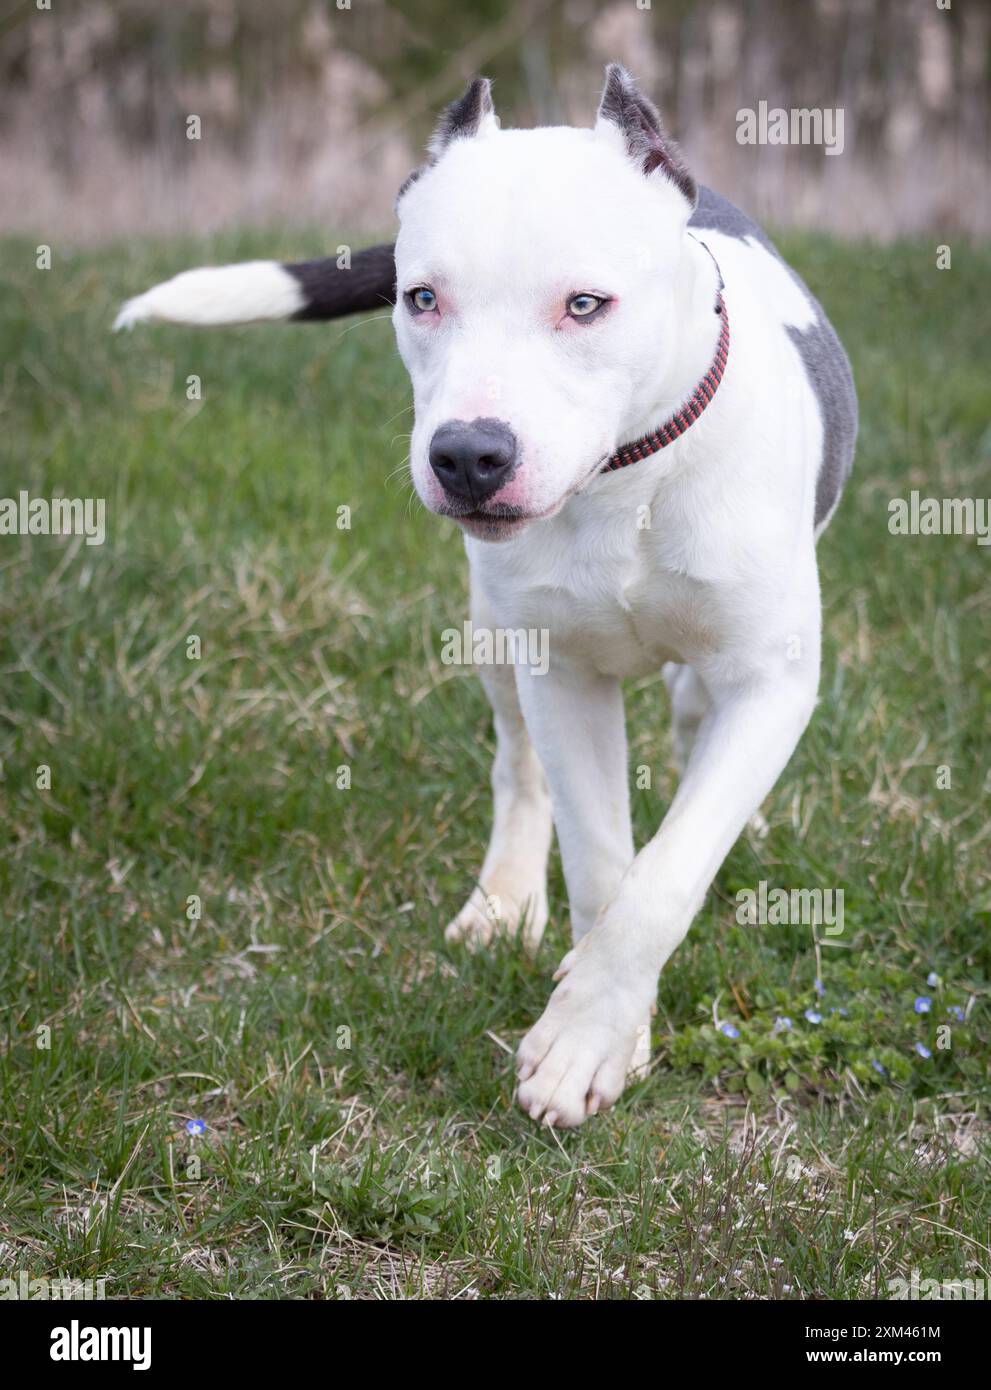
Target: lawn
[{"x": 236, "y": 1055}]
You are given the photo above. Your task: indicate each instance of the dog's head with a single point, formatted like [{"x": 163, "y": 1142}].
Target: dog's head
[{"x": 537, "y": 300}]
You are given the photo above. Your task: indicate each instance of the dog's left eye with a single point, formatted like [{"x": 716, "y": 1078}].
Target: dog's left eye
[
  {"x": 421, "y": 300},
  {"x": 583, "y": 306}
]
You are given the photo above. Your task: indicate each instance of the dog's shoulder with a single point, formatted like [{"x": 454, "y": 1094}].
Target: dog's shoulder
[{"x": 823, "y": 357}]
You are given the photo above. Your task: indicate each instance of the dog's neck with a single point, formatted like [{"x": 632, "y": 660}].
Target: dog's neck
[{"x": 697, "y": 333}]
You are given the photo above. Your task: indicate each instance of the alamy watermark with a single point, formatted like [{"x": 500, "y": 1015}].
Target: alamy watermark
[
  {"x": 920, "y": 1289},
  {"x": 22, "y": 1288},
  {"x": 25, "y": 515},
  {"x": 916, "y": 515},
  {"x": 497, "y": 646},
  {"x": 800, "y": 125},
  {"x": 80, "y": 1342},
  {"x": 763, "y": 906}
]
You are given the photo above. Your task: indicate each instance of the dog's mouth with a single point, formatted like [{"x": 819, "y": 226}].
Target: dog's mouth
[
  {"x": 499, "y": 522},
  {"x": 495, "y": 523}
]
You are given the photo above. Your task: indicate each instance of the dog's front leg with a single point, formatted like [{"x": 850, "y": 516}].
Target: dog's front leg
[
  {"x": 574, "y": 1060},
  {"x": 576, "y": 721},
  {"x": 511, "y": 894}
]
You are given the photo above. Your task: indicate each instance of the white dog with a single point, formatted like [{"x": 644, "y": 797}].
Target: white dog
[{"x": 617, "y": 378}]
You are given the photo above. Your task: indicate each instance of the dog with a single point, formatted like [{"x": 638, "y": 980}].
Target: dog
[{"x": 642, "y": 421}]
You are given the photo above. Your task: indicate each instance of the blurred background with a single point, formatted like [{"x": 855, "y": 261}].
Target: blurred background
[{"x": 313, "y": 111}]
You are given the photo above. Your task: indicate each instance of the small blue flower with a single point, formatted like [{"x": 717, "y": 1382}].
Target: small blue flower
[
  {"x": 813, "y": 1016},
  {"x": 729, "y": 1030},
  {"x": 195, "y": 1126},
  {"x": 956, "y": 1012},
  {"x": 923, "y": 1004},
  {"x": 932, "y": 979},
  {"x": 842, "y": 1012},
  {"x": 922, "y": 1050},
  {"x": 781, "y": 1024},
  {"x": 820, "y": 988},
  {"x": 881, "y": 1071}
]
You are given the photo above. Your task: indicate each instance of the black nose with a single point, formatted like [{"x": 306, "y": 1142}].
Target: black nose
[{"x": 473, "y": 458}]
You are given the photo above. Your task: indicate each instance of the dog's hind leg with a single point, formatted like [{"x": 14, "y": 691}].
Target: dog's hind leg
[
  {"x": 689, "y": 702},
  {"x": 511, "y": 894}
]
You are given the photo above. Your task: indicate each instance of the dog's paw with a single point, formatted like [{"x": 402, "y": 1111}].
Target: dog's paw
[
  {"x": 487, "y": 915},
  {"x": 594, "y": 1032}
]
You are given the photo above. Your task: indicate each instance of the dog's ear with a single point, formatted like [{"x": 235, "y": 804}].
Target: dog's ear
[
  {"x": 639, "y": 122},
  {"x": 472, "y": 114}
]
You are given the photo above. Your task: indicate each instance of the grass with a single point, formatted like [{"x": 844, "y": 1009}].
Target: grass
[{"x": 352, "y": 1072}]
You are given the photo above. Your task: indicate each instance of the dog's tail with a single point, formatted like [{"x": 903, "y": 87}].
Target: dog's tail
[{"x": 265, "y": 292}]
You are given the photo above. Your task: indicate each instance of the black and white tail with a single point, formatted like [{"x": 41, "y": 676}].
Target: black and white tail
[{"x": 266, "y": 292}]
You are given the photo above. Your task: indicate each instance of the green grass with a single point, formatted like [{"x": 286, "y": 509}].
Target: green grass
[{"x": 354, "y": 1073}]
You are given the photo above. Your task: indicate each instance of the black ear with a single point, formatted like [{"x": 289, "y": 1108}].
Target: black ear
[
  {"x": 640, "y": 123},
  {"x": 465, "y": 117}
]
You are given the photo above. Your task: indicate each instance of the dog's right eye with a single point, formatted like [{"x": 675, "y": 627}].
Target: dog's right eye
[{"x": 421, "y": 300}]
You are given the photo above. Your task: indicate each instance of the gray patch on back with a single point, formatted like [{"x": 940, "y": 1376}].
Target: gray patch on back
[
  {"x": 828, "y": 369},
  {"x": 826, "y": 364}
]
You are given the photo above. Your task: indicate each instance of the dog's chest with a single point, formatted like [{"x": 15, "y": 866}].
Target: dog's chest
[{"x": 606, "y": 599}]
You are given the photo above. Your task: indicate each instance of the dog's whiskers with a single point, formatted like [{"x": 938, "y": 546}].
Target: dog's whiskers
[
  {"x": 375, "y": 318},
  {"x": 398, "y": 470},
  {"x": 402, "y": 411}
]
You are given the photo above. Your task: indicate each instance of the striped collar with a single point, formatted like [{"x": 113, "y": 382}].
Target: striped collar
[{"x": 674, "y": 427}]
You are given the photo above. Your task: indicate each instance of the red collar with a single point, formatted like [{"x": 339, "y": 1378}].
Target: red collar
[{"x": 676, "y": 426}]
